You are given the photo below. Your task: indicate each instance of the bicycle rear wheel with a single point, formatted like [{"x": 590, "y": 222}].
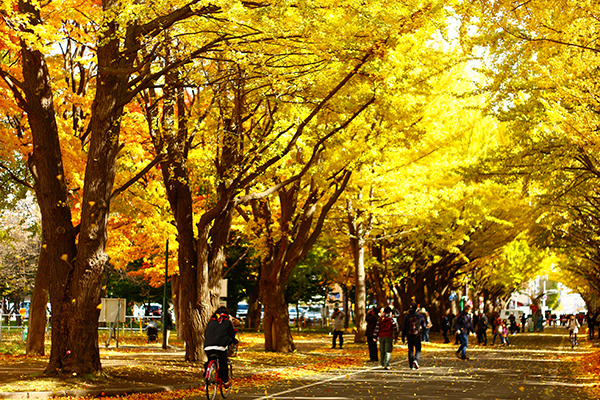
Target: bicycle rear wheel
[
  {"x": 210, "y": 380},
  {"x": 226, "y": 390}
]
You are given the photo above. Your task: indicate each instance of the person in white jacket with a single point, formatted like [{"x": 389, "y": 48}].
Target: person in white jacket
[
  {"x": 573, "y": 327},
  {"x": 337, "y": 322}
]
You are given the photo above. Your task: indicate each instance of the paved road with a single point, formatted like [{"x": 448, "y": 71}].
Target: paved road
[{"x": 535, "y": 366}]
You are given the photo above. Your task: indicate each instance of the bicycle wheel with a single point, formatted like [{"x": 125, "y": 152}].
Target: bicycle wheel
[
  {"x": 210, "y": 380},
  {"x": 225, "y": 390}
]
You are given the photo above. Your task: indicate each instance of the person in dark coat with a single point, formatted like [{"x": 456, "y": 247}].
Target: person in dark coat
[
  {"x": 413, "y": 326},
  {"x": 591, "y": 323},
  {"x": 463, "y": 326},
  {"x": 445, "y": 325},
  {"x": 482, "y": 326},
  {"x": 372, "y": 318},
  {"x": 168, "y": 325},
  {"x": 218, "y": 336}
]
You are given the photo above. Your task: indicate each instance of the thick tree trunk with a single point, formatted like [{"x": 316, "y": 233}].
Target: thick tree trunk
[
  {"x": 50, "y": 186},
  {"x": 37, "y": 309},
  {"x": 276, "y": 321},
  {"x": 211, "y": 259},
  {"x": 176, "y": 179},
  {"x": 75, "y": 296}
]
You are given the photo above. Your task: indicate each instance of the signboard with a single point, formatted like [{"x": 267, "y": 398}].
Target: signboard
[
  {"x": 110, "y": 310},
  {"x": 223, "y": 287},
  {"x": 534, "y": 308},
  {"x": 22, "y": 311}
]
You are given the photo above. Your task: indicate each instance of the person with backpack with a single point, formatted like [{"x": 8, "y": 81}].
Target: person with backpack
[
  {"x": 219, "y": 334},
  {"x": 463, "y": 326},
  {"x": 414, "y": 325},
  {"x": 386, "y": 331},
  {"x": 482, "y": 326}
]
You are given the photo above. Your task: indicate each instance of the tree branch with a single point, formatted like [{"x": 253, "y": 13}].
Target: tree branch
[{"x": 134, "y": 179}]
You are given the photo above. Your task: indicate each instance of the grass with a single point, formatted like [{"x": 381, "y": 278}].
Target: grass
[{"x": 137, "y": 363}]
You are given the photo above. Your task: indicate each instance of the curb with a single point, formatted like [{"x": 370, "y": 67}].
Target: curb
[{"x": 94, "y": 393}]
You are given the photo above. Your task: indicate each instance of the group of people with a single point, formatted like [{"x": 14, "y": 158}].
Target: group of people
[{"x": 385, "y": 328}]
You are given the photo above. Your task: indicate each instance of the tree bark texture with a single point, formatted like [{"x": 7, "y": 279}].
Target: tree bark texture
[
  {"x": 358, "y": 229},
  {"x": 50, "y": 186},
  {"x": 37, "y": 310},
  {"x": 276, "y": 325}
]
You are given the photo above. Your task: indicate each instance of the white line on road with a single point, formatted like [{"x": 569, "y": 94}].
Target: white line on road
[{"x": 278, "y": 395}]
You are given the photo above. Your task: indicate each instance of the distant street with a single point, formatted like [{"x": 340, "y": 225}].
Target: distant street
[{"x": 535, "y": 366}]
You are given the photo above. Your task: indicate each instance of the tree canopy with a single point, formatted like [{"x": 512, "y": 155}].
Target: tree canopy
[{"x": 437, "y": 145}]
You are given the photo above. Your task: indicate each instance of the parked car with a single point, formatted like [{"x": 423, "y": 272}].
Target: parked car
[
  {"x": 242, "y": 310},
  {"x": 153, "y": 309}
]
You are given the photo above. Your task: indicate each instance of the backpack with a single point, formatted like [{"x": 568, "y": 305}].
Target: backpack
[
  {"x": 414, "y": 327},
  {"x": 459, "y": 321}
]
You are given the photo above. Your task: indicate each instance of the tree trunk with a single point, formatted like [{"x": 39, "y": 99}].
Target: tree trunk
[
  {"x": 212, "y": 240},
  {"x": 276, "y": 321},
  {"x": 50, "y": 186},
  {"x": 360, "y": 302},
  {"x": 176, "y": 290},
  {"x": 254, "y": 310},
  {"x": 37, "y": 309},
  {"x": 357, "y": 245},
  {"x": 176, "y": 180},
  {"x": 375, "y": 276}
]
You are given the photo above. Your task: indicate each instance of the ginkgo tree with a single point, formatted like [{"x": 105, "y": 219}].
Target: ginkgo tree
[
  {"x": 410, "y": 204},
  {"x": 118, "y": 42},
  {"x": 540, "y": 60},
  {"x": 260, "y": 118}
]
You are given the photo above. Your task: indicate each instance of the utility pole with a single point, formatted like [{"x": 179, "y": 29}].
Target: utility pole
[{"x": 165, "y": 310}]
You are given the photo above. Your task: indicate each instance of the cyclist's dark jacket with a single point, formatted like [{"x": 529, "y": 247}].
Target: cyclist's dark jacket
[{"x": 219, "y": 333}]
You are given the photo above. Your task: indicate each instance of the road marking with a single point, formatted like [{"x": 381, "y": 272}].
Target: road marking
[{"x": 278, "y": 395}]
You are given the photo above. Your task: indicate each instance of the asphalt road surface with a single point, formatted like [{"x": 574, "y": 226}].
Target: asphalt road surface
[{"x": 535, "y": 366}]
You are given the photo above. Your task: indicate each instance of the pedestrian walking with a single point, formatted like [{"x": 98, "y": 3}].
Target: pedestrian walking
[
  {"x": 482, "y": 326},
  {"x": 428, "y": 325},
  {"x": 505, "y": 330},
  {"x": 445, "y": 325},
  {"x": 372, "y": 318},
  {"x": 591, "y": 323},
  {"x": 497, "y": 333},
  {"x": 386, "y": 331},
  {"x": 337, "y": 321},
  {"x": 463, "y": 326},
  {"x": 414, "y": 323},
  {"x": 573, "y": 326},
  {"x": 168, "y": 321},
  {"x": 513, "y": 324},
  {"x": 523, "y": 322}
]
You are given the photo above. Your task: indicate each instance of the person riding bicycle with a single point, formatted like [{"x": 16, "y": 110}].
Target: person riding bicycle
[
  {"x": 218, "y": 336},
  {"x": 573, "y": 327}
]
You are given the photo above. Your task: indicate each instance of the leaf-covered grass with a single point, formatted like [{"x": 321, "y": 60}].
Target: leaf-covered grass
[{"x": 138, "y": 363}]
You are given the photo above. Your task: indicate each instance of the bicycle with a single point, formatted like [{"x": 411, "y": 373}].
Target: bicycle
[
  {"x": 212, "y": 381},
  {"x": 573, "y": 337}
]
